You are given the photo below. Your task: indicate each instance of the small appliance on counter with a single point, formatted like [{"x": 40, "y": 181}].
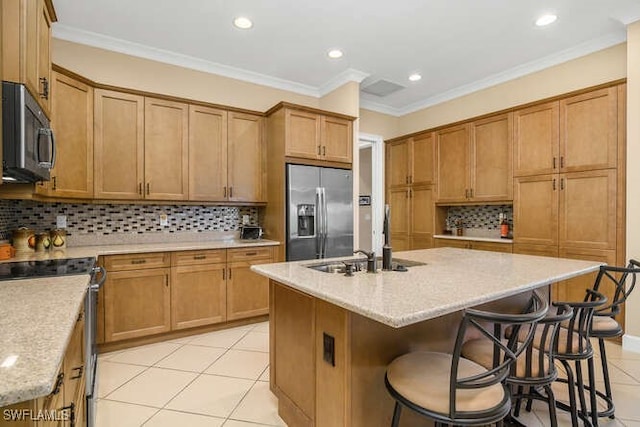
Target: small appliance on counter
[{"x": 250, "y": 232}]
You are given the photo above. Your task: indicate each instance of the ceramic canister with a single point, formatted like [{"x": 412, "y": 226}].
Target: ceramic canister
[
  {"x": 58, "y": 238},
  {"x": 43, "y": 242},
  {"x": 23, "y": 239}
]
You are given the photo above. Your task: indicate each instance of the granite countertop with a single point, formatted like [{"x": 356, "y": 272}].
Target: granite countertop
[
  {"x": 37, "y": 317},
  {"x": 472, "y": 238},
  {"x": 451, "y": 280}
]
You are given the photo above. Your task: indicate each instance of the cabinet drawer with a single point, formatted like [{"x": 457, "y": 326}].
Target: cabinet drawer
[
  {"x": 212, "y": 256},
  {"x": 137, "y": 261},
  {"x": 246, "y": 254}
]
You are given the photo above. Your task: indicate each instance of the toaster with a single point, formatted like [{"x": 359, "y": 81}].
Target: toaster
[{"x": 250, "y": 232}]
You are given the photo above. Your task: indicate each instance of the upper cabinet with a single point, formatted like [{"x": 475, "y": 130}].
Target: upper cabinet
[
  {"x": 72, "y": 123},
  {"x": 246, "y": 158},
  {"x": 578, "y": 133},
  {"x": 26, "y": 46},
  {"x": 411, "y": 161},
  {"x": 119, "y": 145},
  {"x": 207, "y": 153},
  {"x": 315, "y": 136},
  {"x": 475, "y": 161}
]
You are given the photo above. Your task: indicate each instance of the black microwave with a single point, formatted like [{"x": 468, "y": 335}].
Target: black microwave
[{"x": 28, "y": 145}]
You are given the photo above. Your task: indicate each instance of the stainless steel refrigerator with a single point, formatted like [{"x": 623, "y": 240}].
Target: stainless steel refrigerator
[{"x": 319, "y": 212}]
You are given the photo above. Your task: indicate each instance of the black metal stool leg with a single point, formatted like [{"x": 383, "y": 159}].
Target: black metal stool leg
[
  {"x": 552, "y": 406},
  {"x": 592, "y": 392},
  {"x": 516, "y": 406},
  {"x": 571, "y": 384},
  {"x": 580, "y": 383},
  {"x": 396, "y": 415},
  {"x": 607, "y": 381}
]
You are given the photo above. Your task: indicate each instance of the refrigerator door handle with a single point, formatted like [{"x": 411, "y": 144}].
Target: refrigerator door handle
[
  {"x": 318, "y": 223},
  {"x": 325, "y": 221}
]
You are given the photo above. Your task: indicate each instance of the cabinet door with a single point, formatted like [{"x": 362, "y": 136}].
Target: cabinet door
[
  {"x": 336, "y": 138},
  {"x": 207, "y": 153},
  {"x": 491, "y": 159},
  {"x": 302, "y": 134},
  {"x": 422, "y": 164},
  {"x": 30, "y": 15},
  {"x": 246, "y": 158},
  {"x": 247, "y": 292},
  {"x": 397, "y": 163},
  {"x": 73, "y": 363},
  {"x": 535, "y": 210},
  {"x": 72, "y": 123},
  {"x": 588, "y": 209},
  {"x": 12, "y": 29},
  {"x": 166, "y": 155},
  {"x": 536, "y": 132},
  {"x": 399, "y": 206},
  {"x": 198, "y": 295},
  {"x": 422, "y": 205},
  {"x": 575, "y": 289},
  {"x": 453, "y": 163},
  {"x": 44, "y": 57},
  {"x": 119, "y": 145},
  {"x": 137, "y": 303},
  {"x": 589, "y": 131}
]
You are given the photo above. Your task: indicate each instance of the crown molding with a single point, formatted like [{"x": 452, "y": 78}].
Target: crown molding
[
  {"x": 101, "y": 41},
  {"x": 348, "y": 75},
  {"x": 502, "y": 77}
]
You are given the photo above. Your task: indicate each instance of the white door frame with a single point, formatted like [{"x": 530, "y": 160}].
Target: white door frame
[{"x": 377, "y": 186}]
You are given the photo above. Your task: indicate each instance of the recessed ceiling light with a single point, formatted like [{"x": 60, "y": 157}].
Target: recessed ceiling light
[
  {"x": 415, "y": 77},
  {"x": 546, "y": 20},
  {"x": 243, "y": 23},
  {"x": 335, "y": 54}
]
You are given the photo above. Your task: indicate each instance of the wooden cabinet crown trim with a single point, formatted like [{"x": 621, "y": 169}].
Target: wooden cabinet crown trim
[
  {"x": 508, "y": 110},
  {"x": 298, "y": 107}
]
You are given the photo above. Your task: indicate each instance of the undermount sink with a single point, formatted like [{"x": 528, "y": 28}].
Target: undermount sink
[{"x": 340, "y": 266}]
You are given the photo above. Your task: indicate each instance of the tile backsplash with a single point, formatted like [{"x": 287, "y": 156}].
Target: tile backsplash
[
  {"x": 107, "y": 219},
  {"x": 480, "y": 217}
]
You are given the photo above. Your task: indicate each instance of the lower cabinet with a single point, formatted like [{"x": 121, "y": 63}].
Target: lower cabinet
[
  {"x": 152, "y": 293},
  {"x": 473, "y": 244}
]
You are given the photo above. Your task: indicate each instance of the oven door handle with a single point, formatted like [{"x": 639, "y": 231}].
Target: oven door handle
[{"x": 98, "y": 270}]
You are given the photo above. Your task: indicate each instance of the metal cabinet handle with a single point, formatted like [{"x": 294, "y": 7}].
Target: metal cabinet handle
[
  {"x": 140, "y": 188},
  {"x": 324, "y": 150},
  {"x": 199, "y": 257},
  {"x": 80, "y": 369},
  {"x": 224, "y": 192},
  {"x": 230, "y": 191},
  {"x": 45, "y": 88},
  {"x": 229, "y": 274},
  {"x": 554, "y": 162},
  {"x": 148, "y": 188},
  {"x": 562, "y": 183},
  {"x": 72, "y": 413},
  {"x": 224, "y": 274},
  {"x": 138, "y": 261},
  {"x": 471, "y": 193},
  {"x": 410, "y": 193},
  {"x": 166, "y": 281},
  {"x": 561, "y": 161},
  {"x": 466, "y": 193},
  {"x": 406, "y": 179},
  {"x": 55, "y": 183},
  {"x": 251, "y": 253},
  {"x": 319, "y": 150},
  {"x": 554, "y": 184},
  {"x": 59, "y": 381}
]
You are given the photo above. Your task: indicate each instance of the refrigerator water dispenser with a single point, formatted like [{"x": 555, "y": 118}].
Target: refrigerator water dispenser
[{"x": 306, "y": 220}]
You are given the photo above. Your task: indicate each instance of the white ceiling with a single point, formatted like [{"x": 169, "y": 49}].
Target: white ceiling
[{"x": 458, "y": 46}]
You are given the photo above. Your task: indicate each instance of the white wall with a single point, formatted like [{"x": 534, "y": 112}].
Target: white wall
[{"x": 364, "y": 212}]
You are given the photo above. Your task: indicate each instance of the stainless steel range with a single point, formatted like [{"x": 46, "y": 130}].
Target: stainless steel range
[{"x": 65, "y": 267}]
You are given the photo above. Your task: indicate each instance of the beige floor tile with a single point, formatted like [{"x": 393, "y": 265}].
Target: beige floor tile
[
  {"x": 630, "y": 367},
  {"x": 240, "y": 364},
  {"x": 109, "y": 355},
  {"x": 627, "y": 401},
  {"x": 192, "y": 358},
  {"x": 112, "y": 375},
  {"x": 630, "y": 423},
  {"x": 615, "y": 350},
  {"x": 259, "y": 406},
  {"x": 118, "y": 414},
  {"x": 261, "y": 327},
  {"x": 265, "y": 375},
  {"x": 154, "y": 387},
  {"x": 254, "y": 341},
  {"x": 223, "y": 339},
  {"x": 166, "y": 418},
  {"x": 146, "y": 355},
  {"x": 183, "y": 340},
  {"x": 236, "y": 423},
  {"x": 211, "y": 395}
]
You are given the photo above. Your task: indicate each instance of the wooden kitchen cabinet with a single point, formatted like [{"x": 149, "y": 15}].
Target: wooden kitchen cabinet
[
  {"x": 166, "y": 146},
  {"x": 316, "y": 136},
  {"x": 26, "y": 46},
  {"x": 453, "y": 163},
  {"x": 411, "y": 161},
  {"x": 397, "y": 163},
  {"x": 74, "y": 372},
  {"x": 473, "y": 244},
  {"x": 72, "y": 123},
  {"x": 535, "y": 210},
  {"x": 412, "y": 217},
  {"x": 118, "y": 145},
  {"x": 246, "y": 158},
  {"x": 247, "y": 292},
  {"x": 136, "y": 298},
  {"x": 198, "y": 288},
  {"x": 536, "y": 136}
]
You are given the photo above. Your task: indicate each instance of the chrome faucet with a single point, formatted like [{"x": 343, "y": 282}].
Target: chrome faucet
[{"x": 371, "y": 260}]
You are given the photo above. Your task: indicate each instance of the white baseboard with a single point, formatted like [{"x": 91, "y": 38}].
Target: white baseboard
[{"x": 631, "y": 343}]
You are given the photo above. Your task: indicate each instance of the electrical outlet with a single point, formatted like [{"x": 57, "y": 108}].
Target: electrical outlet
[
  {"x": 329, "y": 349},
  {"x": 61, "y": 221},
  {"x": 245, "y": 219},
  {"x": 164, "y": 220}
]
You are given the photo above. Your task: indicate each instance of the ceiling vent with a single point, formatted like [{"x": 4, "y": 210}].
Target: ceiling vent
[{"x": 382, "y": 88}]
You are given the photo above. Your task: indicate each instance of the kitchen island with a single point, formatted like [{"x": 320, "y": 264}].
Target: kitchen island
[{"x": 332, "y": 336}]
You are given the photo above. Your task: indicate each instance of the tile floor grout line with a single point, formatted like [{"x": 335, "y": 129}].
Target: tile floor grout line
[{"x": 126, "y": 382}]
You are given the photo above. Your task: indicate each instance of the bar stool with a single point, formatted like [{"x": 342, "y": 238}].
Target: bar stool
[
  {"x": 450, "y": 389},
  {"x": 535, "y": 368},
  {"x": 604, "y": 324}
]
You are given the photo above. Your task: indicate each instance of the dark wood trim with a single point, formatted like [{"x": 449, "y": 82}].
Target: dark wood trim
[
  {"x": 509, "y": 110},
  {"x": 97, "y": 85},
  {"x": 290, "y": 106},
  {"x": 52, "y": 12}
]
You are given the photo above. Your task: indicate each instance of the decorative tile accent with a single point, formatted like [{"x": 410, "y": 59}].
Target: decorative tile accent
[
  {"x": 114, "y": 218},
  {"x": 482, "y": 217}
]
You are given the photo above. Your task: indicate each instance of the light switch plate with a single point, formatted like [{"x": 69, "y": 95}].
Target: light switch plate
[
  {"x": 245, "y": 219},
  {"x": 61, "y": 221},
  {"x": 164, "y": 220}
]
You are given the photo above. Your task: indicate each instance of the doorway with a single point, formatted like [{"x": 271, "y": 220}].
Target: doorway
[{"x": 371, "y": 196}]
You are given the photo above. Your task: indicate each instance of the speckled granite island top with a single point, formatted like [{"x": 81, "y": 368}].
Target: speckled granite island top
[
  {"x": 451, "y": 280},
  {"x": 37, "y": 317}
]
